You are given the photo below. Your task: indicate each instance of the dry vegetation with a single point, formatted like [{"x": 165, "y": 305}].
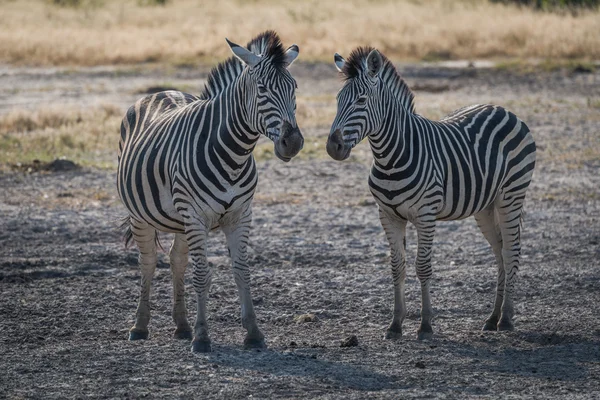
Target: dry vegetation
[
  {"x": 46, "y": 134},
  {"x": 190, "y": 32},
  {"x": 90, "y": 136},
  {"x": 186, "y": 32}
]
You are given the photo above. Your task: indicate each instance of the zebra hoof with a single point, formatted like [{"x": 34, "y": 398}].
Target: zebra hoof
[
  {"x": 138, "y": 334},
  {"x": 490, "y": 325},
  {"x": 183, "y": 334},
  {"x": 505, "y": 325},
  {"x": 392, "y": 334},
  {"x": 252, "y": 343},
  {"x": 425, "y": 332},
  {"x": 201, "y": 346}
]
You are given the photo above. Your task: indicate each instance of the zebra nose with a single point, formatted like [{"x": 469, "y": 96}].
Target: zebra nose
[
  {"x": 336, "y": 147},
  {"x": 290, "y": 142}
]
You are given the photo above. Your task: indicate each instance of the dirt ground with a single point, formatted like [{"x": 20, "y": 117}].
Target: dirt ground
[{"x": 68, "y": 288}]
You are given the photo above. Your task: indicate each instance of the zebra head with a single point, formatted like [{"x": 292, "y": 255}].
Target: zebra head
[
  {"x": 359, "y": 111},
  {"x": 270, "y": 91}
]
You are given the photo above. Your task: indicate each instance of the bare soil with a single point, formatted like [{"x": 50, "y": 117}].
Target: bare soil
[{"x": 68, "y": 288}]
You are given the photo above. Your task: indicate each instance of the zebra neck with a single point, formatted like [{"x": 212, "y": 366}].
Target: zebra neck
[
  {"x": 393, "y": 144},
  {"x": 402, "y": 143},
  {"x": 234, "y": 138}
]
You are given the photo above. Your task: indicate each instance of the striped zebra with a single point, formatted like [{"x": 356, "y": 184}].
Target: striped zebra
[
  {"x": 477, "y": 161},
  {"x": 186, "y": 167}
]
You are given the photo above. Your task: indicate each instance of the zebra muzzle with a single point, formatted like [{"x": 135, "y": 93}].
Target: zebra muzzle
[
  {"x": 336, "y": 147},
  {"x": 289, "y": 143}
]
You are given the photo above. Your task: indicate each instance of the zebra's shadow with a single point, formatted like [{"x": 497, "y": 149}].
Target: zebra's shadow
[
  {"x": 283, "y": 364},
  {"x": 553, "y": 356}
]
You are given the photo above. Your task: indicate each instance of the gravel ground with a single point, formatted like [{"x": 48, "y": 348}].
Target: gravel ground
[{"x": 320, "y": 274}]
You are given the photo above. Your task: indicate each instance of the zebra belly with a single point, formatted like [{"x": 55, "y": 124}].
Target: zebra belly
[
  {"x": 152, "y": 203},
  {"x": 399, "y": 211},
  {"x": 173, "y": 222},
  {"x": 396, "y": 206},
  {"x": 406, "y": 198},
  {"x": 164, "y": 216},
  {"x": 467, "y": 205},
  {"x": 405, "y": 210},
  {"x": 216, "y": 206},
  {"x": 468, "y": 195}
]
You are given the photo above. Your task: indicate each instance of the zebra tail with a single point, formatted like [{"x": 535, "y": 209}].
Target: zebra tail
[
  {"x": 125, "y": 224},
  {"x": 158, "y": 243}
]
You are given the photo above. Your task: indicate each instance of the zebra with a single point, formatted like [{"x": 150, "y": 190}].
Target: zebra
[
  {"x": 477, "y": 161},
  {"x": 185, "y": 166}
]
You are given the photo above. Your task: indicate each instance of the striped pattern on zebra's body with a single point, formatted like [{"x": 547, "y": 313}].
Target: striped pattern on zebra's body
[
  {"x": 186, "y": 166},
  {"x": 170, "y": 150},
  {"x": 477, "y": 161},
  {"x": 472, "y": 156}
]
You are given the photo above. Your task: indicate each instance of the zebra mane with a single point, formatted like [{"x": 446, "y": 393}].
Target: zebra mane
[
  {"x": 356, "y": 65},
  {"x": 267, "y": 44}
]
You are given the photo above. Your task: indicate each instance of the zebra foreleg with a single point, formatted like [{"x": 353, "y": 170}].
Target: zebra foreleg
[
  {"x": 395, "y": 231},
  {"x": 237, "y": 241},
  {"x": 145, "y": 238},
  {"x": 425, "y": 232},
  {"x": 197, "y": 234},
  {"x": 486, "y": 221},
  {"x": 178, "y": 257}
]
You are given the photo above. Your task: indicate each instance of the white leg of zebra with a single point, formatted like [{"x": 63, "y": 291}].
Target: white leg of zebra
[
  {"x": 395, "y": 231},
  {"x": 145, "y": 238},
  {"x": 487, "y": 222},
  {"x": 178, "y": 258},
  {"x": 425, "y": 233},
  {"x": 509, "y": 219},
  {"x": 237, "y": 241}
]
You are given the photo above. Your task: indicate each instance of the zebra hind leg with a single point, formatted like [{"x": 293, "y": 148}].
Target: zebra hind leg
[
  {"x": 145, "y": 238},
  {"x": 509, "y": 220},
  {"x": 487, "y": 223},
  {"x": 178, "y": 257}
]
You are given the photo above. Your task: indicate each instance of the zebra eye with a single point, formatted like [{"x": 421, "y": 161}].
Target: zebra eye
[
  {"x": 262, "y": 89},
  {"x": 361, "y": 101}
]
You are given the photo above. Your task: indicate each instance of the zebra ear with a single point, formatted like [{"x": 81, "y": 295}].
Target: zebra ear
[
  {"x": 339, "y": 62},
  {"x": 291, "y": 54},
  {"x": 374, "y": 63},
  {"x": 244, "y": 55}
]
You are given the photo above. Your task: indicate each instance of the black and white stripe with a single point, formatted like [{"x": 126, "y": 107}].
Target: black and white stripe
[
  {"x": 186, "y": 166},
  {"x": 477, "y": 161}
]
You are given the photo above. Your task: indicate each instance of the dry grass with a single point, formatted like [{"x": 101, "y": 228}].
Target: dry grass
[
  {"x": 88, "y": 137},
  {"x": 38, "y": 33}
]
